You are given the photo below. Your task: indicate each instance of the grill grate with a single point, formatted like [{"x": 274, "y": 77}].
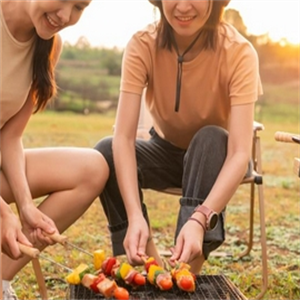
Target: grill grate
[{"x": 208, "y": 287}]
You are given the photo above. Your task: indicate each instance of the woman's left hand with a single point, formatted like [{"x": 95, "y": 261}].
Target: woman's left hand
[
  {"x": 188, "y": 243},
  {"x": 37, "y": 225}
]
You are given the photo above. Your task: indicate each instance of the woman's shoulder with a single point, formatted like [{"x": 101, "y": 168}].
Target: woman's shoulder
[
  {"x": 230, "y": 35},
  {"x": 233, "y": 42},
  {"x": 146, "y": 35}
]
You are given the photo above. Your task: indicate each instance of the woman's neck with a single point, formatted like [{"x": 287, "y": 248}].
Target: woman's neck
[
  {"x": 183, "y": 43},
  {"x": 17, "y": 20}
]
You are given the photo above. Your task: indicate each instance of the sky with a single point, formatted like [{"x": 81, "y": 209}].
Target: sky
[{"x": 111, "y": 23}]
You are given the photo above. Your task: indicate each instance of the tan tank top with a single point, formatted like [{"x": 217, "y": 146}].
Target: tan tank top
[{"x": 15, "y": 72}]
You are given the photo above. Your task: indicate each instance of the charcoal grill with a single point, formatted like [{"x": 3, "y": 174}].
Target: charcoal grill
[{"x": 208, "y": 287}]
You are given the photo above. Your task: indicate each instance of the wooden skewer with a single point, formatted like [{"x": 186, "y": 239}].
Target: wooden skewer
[
  {"x": 58, "y": 238},
  {"x": 34, "y": 254},
  {"x": 286, "y": 137},
  {"x": 30, "y": 251},
  {"x": 63, "y": 240},
  {"x": 40, "y": 278},
  {"x": 144, "y": 258}
]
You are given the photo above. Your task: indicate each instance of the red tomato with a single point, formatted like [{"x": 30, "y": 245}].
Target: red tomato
[
  {"x": 121, "y": 293},
  {"x": 165, "y": 284},
  {"x": 186, "y": 283},
  {"x": 139, "y": 279}
]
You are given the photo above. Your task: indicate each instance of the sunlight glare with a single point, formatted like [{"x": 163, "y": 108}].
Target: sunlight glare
[{"x": 279, "y": 19}]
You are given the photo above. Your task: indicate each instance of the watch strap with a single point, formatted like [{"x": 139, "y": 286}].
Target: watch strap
[
  {"x": 204, "y": 210},
  {"x": 207, "y": 212}
]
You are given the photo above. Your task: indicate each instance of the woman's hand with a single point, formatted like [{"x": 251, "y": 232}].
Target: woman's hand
[
  {"x": 136, "y": 239},
  {"x": 37, "y": 225},
  {"x": 189, "y": 243},
  {"x": 11, "y": 233}
]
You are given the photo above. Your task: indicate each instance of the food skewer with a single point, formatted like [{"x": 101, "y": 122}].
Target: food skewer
[
  {"x": 63, "y": 240},
  {"x": 185, "y": 280},
  {"x": 122, "y": 271},
  {"x": 157, "y": 275},
  {"x": 97, "y": 283}
]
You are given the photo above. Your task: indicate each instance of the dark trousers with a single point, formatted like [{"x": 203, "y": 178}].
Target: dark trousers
[{"x": 161, "y": 165}]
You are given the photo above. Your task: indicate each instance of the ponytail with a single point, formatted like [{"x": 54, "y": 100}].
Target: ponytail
[{"x": 44, "y": 85}]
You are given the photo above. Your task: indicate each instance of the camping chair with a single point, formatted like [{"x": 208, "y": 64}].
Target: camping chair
[{"x": 255, "y": 180}]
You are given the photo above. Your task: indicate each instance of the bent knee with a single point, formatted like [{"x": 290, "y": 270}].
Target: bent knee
[{"x": 97, "y": 169}]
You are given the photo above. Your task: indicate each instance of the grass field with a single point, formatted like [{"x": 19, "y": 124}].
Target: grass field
[{"x": 281, "y": 191}]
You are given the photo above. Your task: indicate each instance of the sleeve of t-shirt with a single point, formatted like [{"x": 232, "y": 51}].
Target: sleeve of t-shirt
[
  {"x": 135, "y": 64},
  {"x": 244, "y": 84}
]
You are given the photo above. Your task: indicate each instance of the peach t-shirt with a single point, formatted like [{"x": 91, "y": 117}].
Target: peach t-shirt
[{"x": 211, "y": 83}]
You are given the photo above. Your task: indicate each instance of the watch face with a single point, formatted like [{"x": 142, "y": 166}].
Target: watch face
[{"x": 213, "y": 221}]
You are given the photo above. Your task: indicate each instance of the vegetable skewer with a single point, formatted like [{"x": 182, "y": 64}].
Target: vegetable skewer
[
  {"x": 97, "y": 283},
  {"x": 157, "y": 275},
  {"x": 122, "y": 271},
  {"x": 184, "y": 279}
]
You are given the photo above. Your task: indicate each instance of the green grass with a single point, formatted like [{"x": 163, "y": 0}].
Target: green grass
[{"x": 281, "y": 191}]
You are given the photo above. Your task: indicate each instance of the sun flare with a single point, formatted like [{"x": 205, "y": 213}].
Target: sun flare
[{"x": 279, "y": 19}]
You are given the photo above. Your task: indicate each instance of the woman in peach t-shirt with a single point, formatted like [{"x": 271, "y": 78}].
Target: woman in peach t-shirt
[{"x": 202, "y": 80}]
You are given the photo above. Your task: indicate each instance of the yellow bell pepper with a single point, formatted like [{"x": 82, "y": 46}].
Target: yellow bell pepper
[
  {"x": 153, "y": 272},
  {"x": 124, "y": 269},
  {"x": 99, "y": 257},
  {"x": 77, "y": 274}
]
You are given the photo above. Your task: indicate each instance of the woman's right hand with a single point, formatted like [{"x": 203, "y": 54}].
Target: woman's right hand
[
  {"x": 37, "y": 225},
  {"x": 11, "y": 234},
  {"x": 136, "y": 239}
]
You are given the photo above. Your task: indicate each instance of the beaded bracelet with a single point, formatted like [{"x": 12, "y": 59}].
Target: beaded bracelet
[{"x": 194, "y": 219}]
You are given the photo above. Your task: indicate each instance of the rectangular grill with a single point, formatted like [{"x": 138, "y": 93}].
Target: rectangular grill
[{"x": 208, "y": 287}]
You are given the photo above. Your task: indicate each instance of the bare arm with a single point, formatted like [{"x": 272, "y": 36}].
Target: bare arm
[
  {"x": 12, "y": 152},
  {"x": 126, "y": 170},
  {"x": 124, "y": 151},
  {"x": 11, "y": 231},
  {"x": 238, "y": 156},
  {"x": 230, "y": 176}
]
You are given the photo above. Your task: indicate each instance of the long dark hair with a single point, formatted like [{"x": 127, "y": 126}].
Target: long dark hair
[
  {"x": 164, "y": 30},
  {"x": 44, "y": 85}
]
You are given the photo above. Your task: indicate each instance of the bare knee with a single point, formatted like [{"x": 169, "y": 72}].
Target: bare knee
[{"x": 96, "y": 171}]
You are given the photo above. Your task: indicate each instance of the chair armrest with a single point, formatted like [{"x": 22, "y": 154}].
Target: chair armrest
[{"x": 257, "y": 126}]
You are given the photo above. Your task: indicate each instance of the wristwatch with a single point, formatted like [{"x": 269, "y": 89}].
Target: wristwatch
[{"x": 210, "y": 215}]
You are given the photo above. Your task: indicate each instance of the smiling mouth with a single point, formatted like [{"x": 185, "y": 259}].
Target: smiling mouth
[
  {"x": 54, "y": 24},
  {"x": 184, "y": 19}
]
